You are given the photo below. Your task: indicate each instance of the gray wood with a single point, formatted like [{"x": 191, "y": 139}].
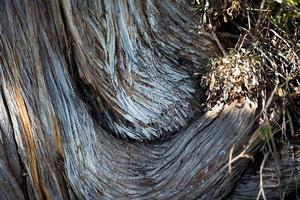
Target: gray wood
[{"x": 100, "y": 100}]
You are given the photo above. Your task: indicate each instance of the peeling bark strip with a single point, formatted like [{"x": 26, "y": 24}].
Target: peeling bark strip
[{"x": 75, "y": 74}]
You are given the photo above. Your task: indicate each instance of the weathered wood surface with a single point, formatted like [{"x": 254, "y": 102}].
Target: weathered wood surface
[
  {"x": 280, "y": 178},
  {"x": 78, "y": 76}
]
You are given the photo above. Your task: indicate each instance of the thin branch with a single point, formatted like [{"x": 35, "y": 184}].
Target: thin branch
[
  {"x": 261, "y": 184},
  {"x": 260, "y": 14}
]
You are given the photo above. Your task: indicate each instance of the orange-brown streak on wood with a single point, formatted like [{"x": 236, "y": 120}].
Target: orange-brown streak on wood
[
  {"x": 30, "y": 144},
  {"x": 57, "y": 134}
]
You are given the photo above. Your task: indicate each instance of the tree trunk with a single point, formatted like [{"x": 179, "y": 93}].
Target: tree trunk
[{"x": 102, "y": 100}]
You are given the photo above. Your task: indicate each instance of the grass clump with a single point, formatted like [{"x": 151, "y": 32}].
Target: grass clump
[
  {"x": 260, "y": 56},
  {"x": 237, "y": 75}
]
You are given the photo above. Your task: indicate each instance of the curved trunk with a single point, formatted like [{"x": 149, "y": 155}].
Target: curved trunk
[{"x": 100, "y": 100}]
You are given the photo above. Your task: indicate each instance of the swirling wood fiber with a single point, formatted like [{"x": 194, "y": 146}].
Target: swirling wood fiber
[{"x": 100, "y": 100}]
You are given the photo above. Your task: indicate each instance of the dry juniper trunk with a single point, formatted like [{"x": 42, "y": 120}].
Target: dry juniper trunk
[{"x": 100, "y": 99}]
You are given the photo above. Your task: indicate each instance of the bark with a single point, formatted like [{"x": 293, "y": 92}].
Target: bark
[
  {"x": 100, "y": 100},
  {"x": 280, "y": 178}
]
